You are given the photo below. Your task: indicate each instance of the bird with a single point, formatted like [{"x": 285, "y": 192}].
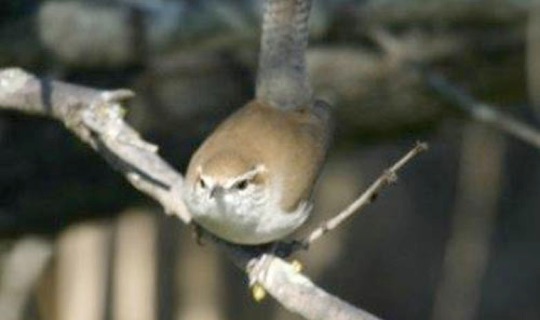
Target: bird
[{"x": 251, "y": 180}]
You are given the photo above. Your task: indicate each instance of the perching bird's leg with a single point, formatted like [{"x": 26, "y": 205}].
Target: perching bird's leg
[
  {"x": 257, "y": 271},
  {"x": 258, "y": 268}
]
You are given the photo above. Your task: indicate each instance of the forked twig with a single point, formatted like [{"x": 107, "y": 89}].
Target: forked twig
[{"x": 388, "y": 177}]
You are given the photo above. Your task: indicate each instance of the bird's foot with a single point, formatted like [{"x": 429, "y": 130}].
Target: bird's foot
[{"x": 257, "y": 272}]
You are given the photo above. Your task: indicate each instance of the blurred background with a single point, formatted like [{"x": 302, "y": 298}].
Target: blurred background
[{"x": 457, "y": 238}]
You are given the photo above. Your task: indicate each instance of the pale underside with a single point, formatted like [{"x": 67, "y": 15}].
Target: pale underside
[{"x": 290, "y": 144}]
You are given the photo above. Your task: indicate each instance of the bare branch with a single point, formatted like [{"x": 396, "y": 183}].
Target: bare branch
[
  {"x": 481, "y": 111},
  {"x": 96, "y": 117},
  {"x": 387, "y": 178},
  {"x": 306, "y": 298},
  {"x": 401, "y": 50}
]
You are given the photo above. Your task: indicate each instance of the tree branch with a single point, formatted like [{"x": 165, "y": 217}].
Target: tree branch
[
  {"x": 401, "y": 50},
  {"x": 482, "y": 112},
  {"x": 387, "y": 178},
  {"x": 96, "y": 117}
]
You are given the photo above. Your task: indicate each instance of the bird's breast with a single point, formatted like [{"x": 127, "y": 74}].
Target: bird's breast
[{"x": 246, "y": 221}]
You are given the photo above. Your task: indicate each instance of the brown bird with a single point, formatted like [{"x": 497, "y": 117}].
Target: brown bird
[{"x": 250, "y": 182}]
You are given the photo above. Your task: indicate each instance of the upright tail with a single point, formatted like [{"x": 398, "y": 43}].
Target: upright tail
[{"x": 282, "y": 77}]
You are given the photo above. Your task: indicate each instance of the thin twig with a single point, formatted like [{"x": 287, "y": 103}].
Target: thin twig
[
  {"x": 481, "y": 111},
  {"x": 387, "y": 178}
]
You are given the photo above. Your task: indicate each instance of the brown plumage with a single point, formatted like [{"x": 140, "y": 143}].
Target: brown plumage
[
  {"x": 250, "y": 182},
  {"x": 291, "y": 144}
]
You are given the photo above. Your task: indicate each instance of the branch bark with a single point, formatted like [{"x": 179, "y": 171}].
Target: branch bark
[{"x": 96, "y": 117}]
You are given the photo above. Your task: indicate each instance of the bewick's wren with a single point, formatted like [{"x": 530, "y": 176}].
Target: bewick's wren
[{"x": 251, "y": 181}]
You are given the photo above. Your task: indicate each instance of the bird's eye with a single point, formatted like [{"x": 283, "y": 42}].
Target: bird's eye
[
  {"x": 241, "y": 185},
  {"x": 202, "y": 184}
]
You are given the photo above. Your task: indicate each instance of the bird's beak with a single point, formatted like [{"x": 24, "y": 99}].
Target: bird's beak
[{"x": 216, "y": 191}]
